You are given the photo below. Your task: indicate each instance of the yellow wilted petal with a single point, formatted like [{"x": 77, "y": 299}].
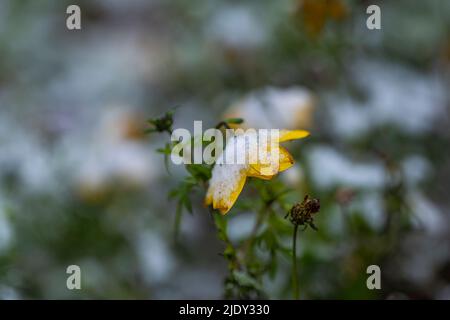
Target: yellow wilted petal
[
  {"x": 209, "y": 196},
  {"x": 286, "y": 135},
  {"x": 225, "y": 186},
  {"x": 228, "y": 180},
  {"x": 286, "y": 160},
  {"x": 228, "y": 196},
  {"x": 267, "y": 171},
  {"x": 255, "y": 171}
]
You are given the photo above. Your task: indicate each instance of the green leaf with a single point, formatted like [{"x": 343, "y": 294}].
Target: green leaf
[
  {"x": 199, "y": 171},
  {"x": 166, "y": 151},
  {"x": 162, "y": 123},
  {"x": 245, "y": 280},
  {"x": 221, "y": 224},
  {"x": 234, "y": 120},
  {"x": 186, "y": 201},
  {"x": 229, "y": 252},
  {"x": 182, "y": 194}
]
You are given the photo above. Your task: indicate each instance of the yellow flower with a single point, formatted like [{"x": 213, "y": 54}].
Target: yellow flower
[
  {"x": 228, "y": 179},
  {"x": 316, "y": 13}
]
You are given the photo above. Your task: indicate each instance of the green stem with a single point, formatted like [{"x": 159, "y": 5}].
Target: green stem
[{"x": 294, "y": 264}]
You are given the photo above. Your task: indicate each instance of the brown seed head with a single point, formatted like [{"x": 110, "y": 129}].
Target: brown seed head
[{"x": 302, "y": 214}]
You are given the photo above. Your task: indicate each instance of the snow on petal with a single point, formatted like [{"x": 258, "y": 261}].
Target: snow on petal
[{"x": 235, "y": 164}]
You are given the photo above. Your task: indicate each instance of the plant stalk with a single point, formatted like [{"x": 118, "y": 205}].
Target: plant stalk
[{"x": 295, "y": 288}]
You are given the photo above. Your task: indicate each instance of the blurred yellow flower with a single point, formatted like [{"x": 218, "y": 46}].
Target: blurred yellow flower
[
  {"x": 228, "y": 179},
  {"x": 316, "y": 13}
]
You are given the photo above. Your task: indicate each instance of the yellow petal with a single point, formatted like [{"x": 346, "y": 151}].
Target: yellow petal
[
  {"x": 225, "y": 186},
  {"x": 209, "y": 196},
  {"x": 286, "y": 135},
  {"x": 228, "y": 180},
  {"x": 286, "y": 159},
  {"x": 255, "y": 171},
  {"x": 267, "y": 171}
]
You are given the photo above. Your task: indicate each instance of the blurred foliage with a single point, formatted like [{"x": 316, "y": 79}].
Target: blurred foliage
[{"x": 56, "y": 89}]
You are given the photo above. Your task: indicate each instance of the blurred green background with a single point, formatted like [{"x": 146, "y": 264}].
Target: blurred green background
[{"x": 81, "y": 184}]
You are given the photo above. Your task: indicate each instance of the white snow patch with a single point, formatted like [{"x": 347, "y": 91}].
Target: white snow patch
[{"x": 330, "y": 169}]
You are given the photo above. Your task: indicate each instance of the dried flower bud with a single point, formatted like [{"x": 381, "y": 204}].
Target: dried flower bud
[{"x": 302, "y": 214}]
